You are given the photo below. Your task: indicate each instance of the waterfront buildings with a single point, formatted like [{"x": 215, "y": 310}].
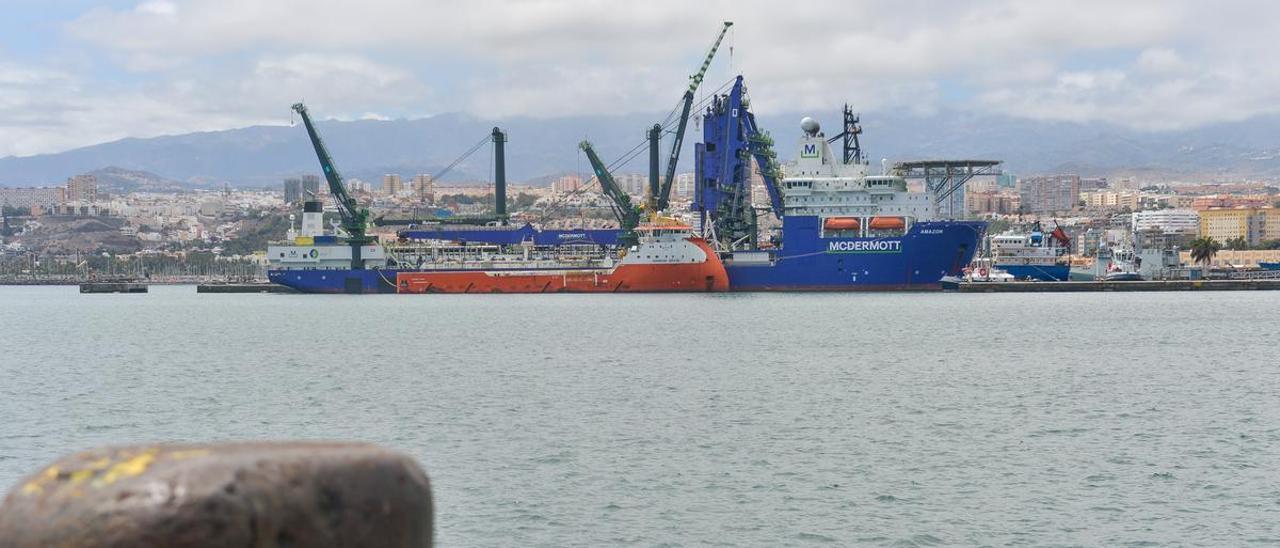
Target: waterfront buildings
[
  {"x": 1111, "y": 199},
  {"x": 1254, "y": 224},
  {"x": 36, "y": 197},
  {"x": 566, "y": 184},
  {"x": 292, "y": 190},
  {"x": 1212, "y": 201},
  {"x": 311, "y": 187},
  {"x": 1237, "y": 258},
  {"x": 992, "y": 201},
  {"x": 1049, "y": 193},
  {"x": 1167, "y": 221},
  {"x": 392, "y": 185},
  {"x": 1093, "y": 184},
  {"x": 424, "y": 189},
  {"x": 82, "y": 188}
]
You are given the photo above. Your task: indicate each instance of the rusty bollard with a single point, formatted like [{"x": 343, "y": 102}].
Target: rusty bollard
[{"x": 254, "y": 494}]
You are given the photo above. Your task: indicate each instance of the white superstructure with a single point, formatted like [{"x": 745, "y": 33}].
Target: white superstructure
[{"x": 820, "y": 183}]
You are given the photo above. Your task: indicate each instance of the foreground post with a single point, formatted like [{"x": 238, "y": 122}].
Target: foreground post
[{"x": 258, "y": 494}]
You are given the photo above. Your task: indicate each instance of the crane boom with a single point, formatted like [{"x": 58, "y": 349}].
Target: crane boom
[
  {"x": 627, "y": 213},
  {"x": 661, "y": 201},
  {"x": 354, "y": 218}
]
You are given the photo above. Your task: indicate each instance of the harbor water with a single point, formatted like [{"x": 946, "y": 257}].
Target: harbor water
[{"x": 702, "y": 420}]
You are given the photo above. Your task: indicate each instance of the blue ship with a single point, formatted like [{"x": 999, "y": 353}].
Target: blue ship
[
  {"x": 829, "y": 225},
  {"x": 1034, "y": 255}
]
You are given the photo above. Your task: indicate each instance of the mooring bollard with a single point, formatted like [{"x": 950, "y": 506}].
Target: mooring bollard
[{"x": 253, "y": 494}]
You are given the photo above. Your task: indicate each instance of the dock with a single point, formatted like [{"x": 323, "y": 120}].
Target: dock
[
  {"x": 1154, "y": 285},
  {"x": 243, "y": 288},
  {"x": 113, "y": 287}
]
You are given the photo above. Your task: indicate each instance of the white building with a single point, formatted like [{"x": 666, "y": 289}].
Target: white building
[{"x": 1167, "y": 221}]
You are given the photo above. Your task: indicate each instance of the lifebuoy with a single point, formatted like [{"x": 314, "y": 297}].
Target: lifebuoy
[{"x": 982, "y": 272}]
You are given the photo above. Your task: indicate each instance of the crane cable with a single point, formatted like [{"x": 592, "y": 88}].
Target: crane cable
[
  {"x": 459, "y": 160},
  {"x": 627, "y": 157}
]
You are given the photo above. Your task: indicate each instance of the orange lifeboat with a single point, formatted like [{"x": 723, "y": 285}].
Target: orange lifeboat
[
  {"x": 888, "y": 223},
  {"x": 841, "y": 223}
]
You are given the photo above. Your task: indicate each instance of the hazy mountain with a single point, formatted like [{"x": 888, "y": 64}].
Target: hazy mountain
[
  {"x": 114, "y": 180},
  {"x": 539, "y": 148}
]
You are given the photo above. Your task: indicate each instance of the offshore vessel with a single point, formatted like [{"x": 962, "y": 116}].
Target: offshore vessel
[
  {"x": 1034, "y": 255},
  {"x": 666, "y": 258},
  {"x": 842, "y": 228}
]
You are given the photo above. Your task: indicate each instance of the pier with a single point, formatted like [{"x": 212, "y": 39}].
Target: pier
[
  {"x": 243, "y": 288},
  {"x": 1154, "y": 285},
  {"x": 113, "y": 287}
]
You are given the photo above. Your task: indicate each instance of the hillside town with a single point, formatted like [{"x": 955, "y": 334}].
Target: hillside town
[{"x": 81, "y": 230}]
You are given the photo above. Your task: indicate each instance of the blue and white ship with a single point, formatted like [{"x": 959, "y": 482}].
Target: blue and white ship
[
  {"x": 842, "y": 228},
  {"x": 1034, "y": 255}
]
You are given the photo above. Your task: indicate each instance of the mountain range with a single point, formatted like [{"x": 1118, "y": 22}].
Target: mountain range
[{"x": 540, "y": 149}]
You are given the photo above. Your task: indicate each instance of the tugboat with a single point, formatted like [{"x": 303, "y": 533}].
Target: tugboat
[{"x": 1124, "y": 267}]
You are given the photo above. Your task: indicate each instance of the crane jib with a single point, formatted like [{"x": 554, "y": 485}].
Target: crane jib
[{"x": 664, "y": 194}]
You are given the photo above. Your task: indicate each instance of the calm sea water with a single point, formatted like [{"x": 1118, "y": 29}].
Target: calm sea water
[{"x": 691, "y": 420}]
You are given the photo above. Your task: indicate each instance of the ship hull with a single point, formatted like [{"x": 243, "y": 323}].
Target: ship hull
[
  {"x": 631, "y": 276},
  {"x": 639, "y": 278},
  {"x": 915, "y": 261},
  {"x": 1044, "y": 273}
]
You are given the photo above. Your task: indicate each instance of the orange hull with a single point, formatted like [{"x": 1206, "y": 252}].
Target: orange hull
[
  {"x": 706, "y": 276},
  {"x": 640, "y": 278}
]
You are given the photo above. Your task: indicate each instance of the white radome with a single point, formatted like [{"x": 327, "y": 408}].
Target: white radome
[{"x": 809, "y": 126}]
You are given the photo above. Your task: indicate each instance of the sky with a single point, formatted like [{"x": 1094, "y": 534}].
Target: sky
[{"x": 75, "y": 73}]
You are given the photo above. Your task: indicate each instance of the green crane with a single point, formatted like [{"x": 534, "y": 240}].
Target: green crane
[
  {"x": 628, "y": 214},
  {"x": 661, "y": 201},
  {"x": 354, "y": 218}
]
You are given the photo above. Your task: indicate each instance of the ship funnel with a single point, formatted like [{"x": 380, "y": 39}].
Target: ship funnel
[{"x": 312, "y": 218}]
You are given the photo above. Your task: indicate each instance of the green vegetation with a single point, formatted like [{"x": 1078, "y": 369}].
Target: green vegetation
[
  {"x": 10, "y": 211},
  {"x": 1236, "y": 244},
  {"x": 522, "y": 202},
  {"x": 255, "y": 238},
  {"x": 1203, "y": 249},
  {"x": 996, "y": 226}
]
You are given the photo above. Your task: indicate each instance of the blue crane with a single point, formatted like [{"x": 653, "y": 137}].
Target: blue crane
[{"x": 731, "y": 141}]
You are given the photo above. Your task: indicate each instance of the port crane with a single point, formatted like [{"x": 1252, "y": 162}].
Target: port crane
[
  {"x": 661, "y": 199},
  {"x": 628, "y": 214},
  {"x": 354, "y": 218}
]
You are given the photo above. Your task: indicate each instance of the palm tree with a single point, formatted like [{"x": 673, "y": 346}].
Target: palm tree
[{"x": 1203, "y": 249}]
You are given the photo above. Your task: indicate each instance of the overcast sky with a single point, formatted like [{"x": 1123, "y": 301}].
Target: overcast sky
[{"x": 74, "y": 73}]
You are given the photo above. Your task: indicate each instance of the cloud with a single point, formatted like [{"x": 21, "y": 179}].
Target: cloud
[
  {"x": 51, "y": 111},
  {"x": 182, "y": 64}
]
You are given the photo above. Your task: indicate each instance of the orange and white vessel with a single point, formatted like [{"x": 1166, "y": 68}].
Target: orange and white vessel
[{"x": 667, "y": 258}]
